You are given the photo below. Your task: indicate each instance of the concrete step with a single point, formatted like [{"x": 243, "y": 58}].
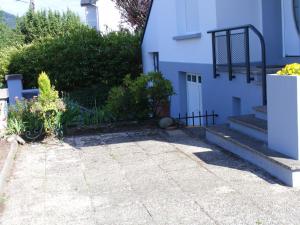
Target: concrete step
[
  {"x": 255, "y": 151},
  {"x": 250, "y": 125},
  {"x": 261, "y": 112}
]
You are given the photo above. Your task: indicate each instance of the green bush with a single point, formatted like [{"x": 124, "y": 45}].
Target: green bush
[
  {"x": 140, "y": 98},
  {"x": 49, "y": 105},
  {"x": 9, "y": 37},
  {"x": 39, "y": 116},
  {"x": 23, "y": 120},
  {"x": 5, "y": 58},
  {"x": 47, "y": 23},
  {"x": 81, "y": 59}
]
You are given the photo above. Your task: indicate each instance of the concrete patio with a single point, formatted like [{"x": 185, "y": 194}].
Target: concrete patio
[{"x": 142, "y": 178}]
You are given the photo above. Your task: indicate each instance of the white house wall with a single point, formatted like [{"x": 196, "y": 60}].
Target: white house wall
[
  {"x": 239, "y": 12},
  {"x": 178, "y": 57},
  {"x": 162, "y": 28}
]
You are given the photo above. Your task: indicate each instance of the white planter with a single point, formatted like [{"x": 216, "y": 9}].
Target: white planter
[{"x": 284, "y": 114}]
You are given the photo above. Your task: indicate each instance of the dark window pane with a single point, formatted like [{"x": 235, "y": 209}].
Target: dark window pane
[
  {"x": 194, "y": 79},
  {"x": 199, "y": 79},
  {"x": 189, "y": 77}
]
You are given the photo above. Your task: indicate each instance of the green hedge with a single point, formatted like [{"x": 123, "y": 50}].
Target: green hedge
[
  {"x": 81, "y": 59},
  {"x": 47, "y": 23}
]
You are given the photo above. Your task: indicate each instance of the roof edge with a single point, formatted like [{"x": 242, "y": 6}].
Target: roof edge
[{"x": 146, "y": 24}]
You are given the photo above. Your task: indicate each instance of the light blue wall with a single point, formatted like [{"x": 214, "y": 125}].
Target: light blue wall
[
  {"x": 272, "y": 31},
  {"x": 217, "y": 93}
]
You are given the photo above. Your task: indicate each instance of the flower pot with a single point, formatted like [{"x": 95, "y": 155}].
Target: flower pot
[{"x": 284, "y": 114}]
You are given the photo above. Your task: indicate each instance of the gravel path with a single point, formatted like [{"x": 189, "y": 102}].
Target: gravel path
[{"x": 142, "y": 178}]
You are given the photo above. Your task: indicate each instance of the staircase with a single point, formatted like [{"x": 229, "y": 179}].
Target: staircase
[{"x": 247, "y": 137}]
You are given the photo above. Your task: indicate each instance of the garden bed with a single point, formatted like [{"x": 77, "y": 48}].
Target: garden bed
[{"x": 112, "y": 127}]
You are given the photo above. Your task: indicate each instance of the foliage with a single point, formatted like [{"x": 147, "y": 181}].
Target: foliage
[
  {"x": 129, "y": 101},
  {"x": 8, "y": 36},
  {"x": 159, "y": 92},
  {"x": 21, "y": 119},
  {"x": 139, "y": 98},
  {"x": 82, "y": 59},
  {"x": 42, "y": 115},
  {"x": 49, "y": 105},
  {"x": 134, "y": 12},
  {"x": 290, "y": 69},
  {"x": 72, "y": 113},
  {"x": 6, "y": 54},
  {"x": 47, "y": 23}
]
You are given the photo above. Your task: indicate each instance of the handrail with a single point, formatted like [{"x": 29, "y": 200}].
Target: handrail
[{"x": 228, "y": 34}]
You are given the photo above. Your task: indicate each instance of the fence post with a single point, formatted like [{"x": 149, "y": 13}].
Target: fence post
[
  {"x": 193, "y": 114},
  {"x": 186, "y": 119},
  {"x": 200, "y": 123}
]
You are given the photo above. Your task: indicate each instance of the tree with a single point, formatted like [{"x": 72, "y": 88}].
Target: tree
[
  {"x": 8, "y": 36},
  {"x": 36, "y": 25},
  {"x": 134, "y": 12}
]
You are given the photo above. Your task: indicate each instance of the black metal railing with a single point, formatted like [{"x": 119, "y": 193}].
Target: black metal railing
[
  {"x": 231, "y": 47},
  {"x": 198, "y": 119}
]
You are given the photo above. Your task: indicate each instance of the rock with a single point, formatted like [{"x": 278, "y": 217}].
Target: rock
[
  {"x": 20, "y": 140},
  {"x": 17, "y": 138},
  {"x": 166, "y": 122}
]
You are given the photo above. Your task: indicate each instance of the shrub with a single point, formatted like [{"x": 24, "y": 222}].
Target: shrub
[
  {"x": 291, "y": 69},
  {"x": 159, "y": 92},
  {"x": 81, "y": 59},
  {"x": 129, "y": 101},
  {"x": 49, "y": 105},
  {"x": 41, "y": 115},
  {"x": 9, "y": 37},
  {"x": 140, "y": 98},
  {"x": 5, "y": 58},
  {"x": 23, "y": 121},
  {"x": 47, "y": 23}
]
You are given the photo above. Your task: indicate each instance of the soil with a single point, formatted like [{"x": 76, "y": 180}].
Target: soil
[{"x": 112, "y": 128}]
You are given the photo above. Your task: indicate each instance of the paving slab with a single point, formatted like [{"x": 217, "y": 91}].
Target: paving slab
[{"x": 142, "y": 178}]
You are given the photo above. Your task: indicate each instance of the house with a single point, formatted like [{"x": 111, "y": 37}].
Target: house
[
  {"x": 101, "y": 14},
  {"x": 91, "y": 13},
  {"x": 217, "y": 54}
]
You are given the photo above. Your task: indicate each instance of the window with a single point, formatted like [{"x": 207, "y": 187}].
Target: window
[
  {"x": 194, "y": 78},
  {"x": 156, "y": 61},
  {"x": 188, "y": 16}
]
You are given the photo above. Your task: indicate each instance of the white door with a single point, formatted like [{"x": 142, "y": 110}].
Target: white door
[
  {"x": 291, "y": 27},
  {"x": 194, "y": 97}
]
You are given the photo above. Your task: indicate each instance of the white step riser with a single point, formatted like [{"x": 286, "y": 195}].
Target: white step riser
[
  {"x": 249, "y": 131},
  {"x": 261, "y": 115},
  {"x": 290, "y": 178}
]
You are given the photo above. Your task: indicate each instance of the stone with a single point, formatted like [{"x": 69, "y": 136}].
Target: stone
[{"x": 166, "y": 122}]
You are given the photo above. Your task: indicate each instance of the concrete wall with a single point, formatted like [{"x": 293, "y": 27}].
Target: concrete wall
[{"x": 284, "y": 114}]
